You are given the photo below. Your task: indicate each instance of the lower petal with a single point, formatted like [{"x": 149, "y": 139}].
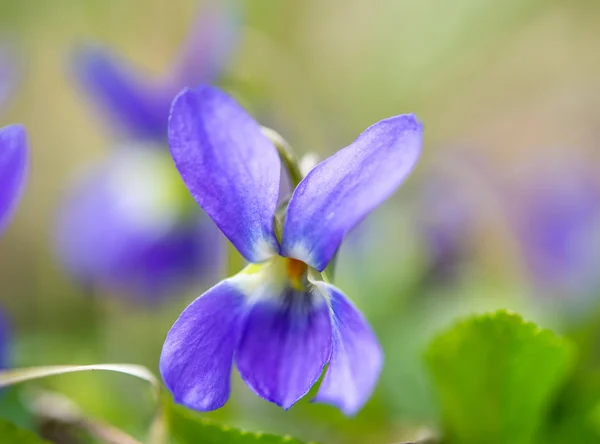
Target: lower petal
[
  {"x": 197, "y": 355},
  {"x": 285, "y": 345},
  {"x": 356, "y": 358}
]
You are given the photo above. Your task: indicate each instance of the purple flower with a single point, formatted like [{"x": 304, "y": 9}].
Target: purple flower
[
  {"x": 140, "y": 105},
  {"x": 129, "y": 226},
  {"x": 13, "y": 169},
  {"x": 447, "y": 211},
  {"x": 557, "y": 216},
  {"x": 444, "y": 220},
  {"x": 14, "y": 154},
  {"x": 276, "y": 318}
]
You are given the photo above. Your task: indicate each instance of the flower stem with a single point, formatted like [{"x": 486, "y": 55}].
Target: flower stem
[
  {"x": 286, "y": 153},
  {"x": 290, "y": 160}
]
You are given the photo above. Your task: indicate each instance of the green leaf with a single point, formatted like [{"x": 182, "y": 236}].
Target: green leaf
[
  {"x": 495, "y": 376},
  {"x": 10, "y": 433},
  {"x": 575, "y": 416},
  {"x": 186, "y": 427}
]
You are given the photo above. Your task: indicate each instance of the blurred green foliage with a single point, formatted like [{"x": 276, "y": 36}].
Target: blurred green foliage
[{"x": 10, "y": 433}]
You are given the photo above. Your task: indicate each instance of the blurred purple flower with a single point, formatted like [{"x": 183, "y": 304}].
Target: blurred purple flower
[
  {"x": 128, "y": 226},
  {"x": 14, "y": 162},
  {"x": 13, "y": 169},
  {"x": 276, "y": 318},
  {"x": 447, "y": 211},
  {"x": 445, "y": 219},
  {"x": 140, "y": 105},
  {"x": 557, "y": 216}
]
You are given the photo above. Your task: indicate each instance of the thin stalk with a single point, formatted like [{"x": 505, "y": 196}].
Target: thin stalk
[
  {"x": 290, "y": 161},
  {"x": 286, "y": 153}
]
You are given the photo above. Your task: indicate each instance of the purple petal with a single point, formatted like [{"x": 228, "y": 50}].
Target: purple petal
[
  {"x": 140, "y": 104},
  {"x": 208, "y": 47},
  {"x": 340, "y": 191},
  {"x": 129, "y": 100},
  {"x": 13, "y": 169},
  {"x": 118, "y": 230},
  {"x": 229, "y": 166},
  {"x": 197, "y": 355},
  {"x": 284, "y": 347},
  {"x": 356, "y": 358}
]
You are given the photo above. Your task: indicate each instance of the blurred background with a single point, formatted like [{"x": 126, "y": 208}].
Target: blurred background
[{"x": 502, "y": 210}]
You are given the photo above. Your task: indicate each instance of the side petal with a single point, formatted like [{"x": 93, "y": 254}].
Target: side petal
[
  {"x": 229, "y": 166},
  {"x": 14, "y": 155},
  {"x": 197, "y": 356},
  {"x": 356, "y": 358},
  {"x": 284, "y": 347},
  {"x": 340, "y": 191},
  {"x": 123, "y": 94}
]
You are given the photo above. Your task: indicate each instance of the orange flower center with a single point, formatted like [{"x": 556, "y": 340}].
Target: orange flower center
[{"x": 297, "y": 273}]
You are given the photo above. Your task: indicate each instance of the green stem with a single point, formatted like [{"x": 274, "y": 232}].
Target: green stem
[
  {"x": 286, "y": 153},
  {"x": 330, "y": 270},
  {"x": 289, "y": 159}
]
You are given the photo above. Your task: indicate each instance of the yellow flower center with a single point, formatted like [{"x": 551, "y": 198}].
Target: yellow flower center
[
  {"x": 280, "y": 272},
  {"x": 296, "y": 271}
]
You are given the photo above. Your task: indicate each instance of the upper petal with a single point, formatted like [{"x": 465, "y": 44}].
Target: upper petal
[
  {"x": 196, "y": 358},
  {"x": 284, "y": 346},
  {"x": 13, "y": 169},
  {"x": 229, "y": 166},
  {"x": 123, "y": 94},
  {"x": 340, "y": 191},
  {"x": 209, "y": 45},
  {"x": 356, "y": 358}
]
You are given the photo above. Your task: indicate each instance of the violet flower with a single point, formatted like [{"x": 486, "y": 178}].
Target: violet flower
[
  {"x": 557, "y": 217},
  {"x": 127, "y": 226},
  {"x": 276, "y": 318},
  {"x": 13, "y": 169},
  {"x": 445, "y": 220},
  {"x": 14, "y": 155},
  {"x": 140, "y": 104}
]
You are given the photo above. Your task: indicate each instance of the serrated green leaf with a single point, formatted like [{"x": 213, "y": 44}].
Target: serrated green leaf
[
  {"x": 495, "y": 376},
  {"x": 186, "y": 427},
  {"x": 10, "y": 433}
]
